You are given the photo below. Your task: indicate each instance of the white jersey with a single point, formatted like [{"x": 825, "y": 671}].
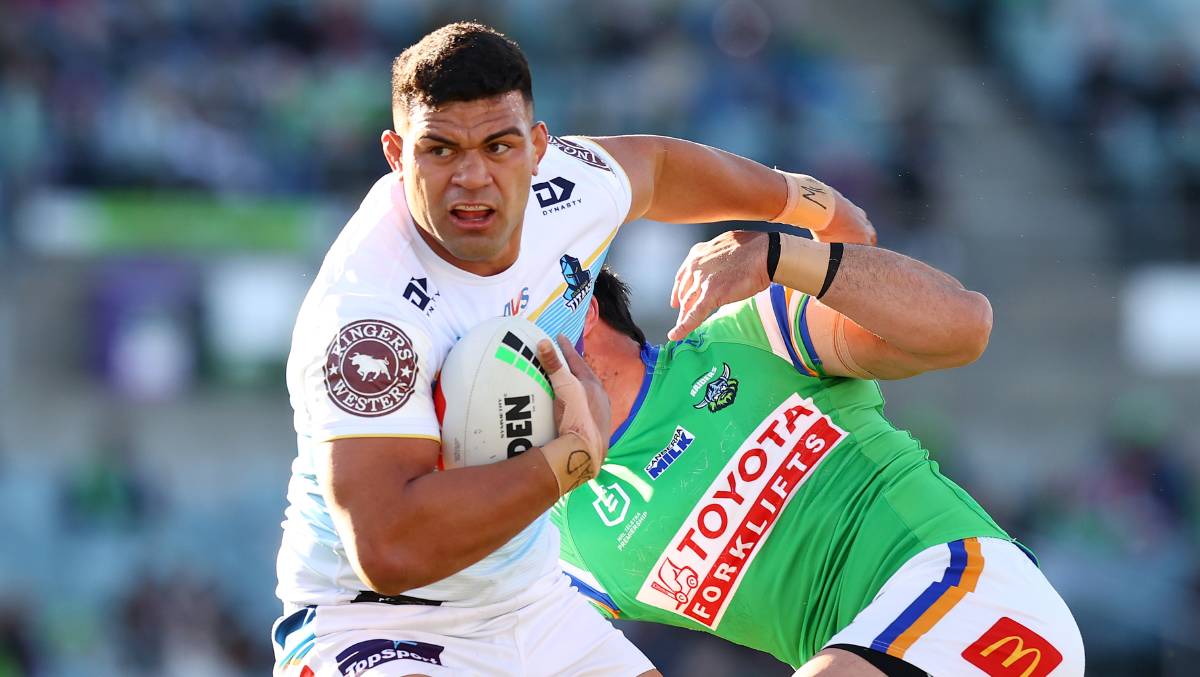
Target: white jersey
[{"x": 377, "y": 323}]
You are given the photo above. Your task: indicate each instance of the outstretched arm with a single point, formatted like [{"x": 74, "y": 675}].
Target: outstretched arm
[
  {"x": 679, "y": 181},
  {"x": 885, "y": 315}
]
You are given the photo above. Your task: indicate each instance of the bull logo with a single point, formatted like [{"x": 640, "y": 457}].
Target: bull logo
[
  {"x": 720, "y": 393},
  {"x": 676, "y": 582},
  {"x": 369, "y": 367}
]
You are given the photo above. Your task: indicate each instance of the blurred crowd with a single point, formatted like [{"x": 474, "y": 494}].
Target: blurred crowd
[
  {"x": 275, "y": 97},
  {"x": 1120, "y": 84},
  {"x": 281, "y": 99}
]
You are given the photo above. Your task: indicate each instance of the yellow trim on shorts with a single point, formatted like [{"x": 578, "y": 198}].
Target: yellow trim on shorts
[{"x": 951, "y": 597}]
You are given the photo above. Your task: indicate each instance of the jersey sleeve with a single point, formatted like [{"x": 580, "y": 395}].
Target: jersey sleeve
[
  {"x": 612, "y": 175},
  {"x": 368, "y": 372},
  {"x": 582, "y": 579},
  {"x": 776, "y": 319}
]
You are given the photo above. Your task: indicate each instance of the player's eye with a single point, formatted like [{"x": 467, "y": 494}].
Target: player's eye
[
  {"x": 440, "y": 151},
  {"x": 498, "y": 147}
]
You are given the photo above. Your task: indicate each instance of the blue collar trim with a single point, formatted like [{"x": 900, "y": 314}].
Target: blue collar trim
[{"x": 649, "y": 357}]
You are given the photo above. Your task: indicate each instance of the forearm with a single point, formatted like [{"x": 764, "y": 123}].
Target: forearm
[
  {"x": 679, "y": 181},
  {"x": 697, "y": 183},
  {"x": 422, "y": 526},
  {"x": 911, "y": 306},
  {"x": 455, "y": 518}
]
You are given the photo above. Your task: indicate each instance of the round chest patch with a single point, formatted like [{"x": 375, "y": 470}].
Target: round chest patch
[{"x": 370, "y": 368}]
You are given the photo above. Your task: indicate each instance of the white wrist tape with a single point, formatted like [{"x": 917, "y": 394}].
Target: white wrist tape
[{"x": 810, "y": 203}]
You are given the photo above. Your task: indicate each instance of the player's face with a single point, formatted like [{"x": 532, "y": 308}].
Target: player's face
[{"x": 467, "y": 168}]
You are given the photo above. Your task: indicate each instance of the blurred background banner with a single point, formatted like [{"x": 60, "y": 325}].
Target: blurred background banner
[{"x": 171, "y": 173}]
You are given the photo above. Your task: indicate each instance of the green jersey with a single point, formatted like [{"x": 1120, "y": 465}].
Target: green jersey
[{"x": 750, "y": 496}]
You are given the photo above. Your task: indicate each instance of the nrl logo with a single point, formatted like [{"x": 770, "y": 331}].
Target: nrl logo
[{"x": 720, "y": 393}]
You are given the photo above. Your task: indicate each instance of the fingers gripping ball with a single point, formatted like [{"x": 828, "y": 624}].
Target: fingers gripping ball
[
  {"x": 580, "y": 408},
  {"x": 494, "y": 397}
]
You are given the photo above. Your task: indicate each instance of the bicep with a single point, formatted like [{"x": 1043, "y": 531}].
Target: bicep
[
  {"x": 361, "y": 472},
  {"x": 848, "y": 349},
  {"x": 639, "y": 156},
  {"x": 362, "y": 476}
]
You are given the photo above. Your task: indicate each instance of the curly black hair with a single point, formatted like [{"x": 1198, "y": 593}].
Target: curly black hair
[{"x": 462, "y": 61}]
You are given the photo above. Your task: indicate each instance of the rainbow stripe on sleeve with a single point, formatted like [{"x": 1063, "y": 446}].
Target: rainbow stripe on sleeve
[
  {"x": 603, "y": 602},
  {"x": 789, "y": 307}
]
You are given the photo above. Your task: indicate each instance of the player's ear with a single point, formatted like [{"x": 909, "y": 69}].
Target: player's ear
[
  {"x": 393, "y": 149},
  {"x": 592, "y": 317},
  {"x": 540, "y": 136}
]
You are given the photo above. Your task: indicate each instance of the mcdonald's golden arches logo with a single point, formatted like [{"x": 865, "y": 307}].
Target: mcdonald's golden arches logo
[{"x": 1009, "y": 649}]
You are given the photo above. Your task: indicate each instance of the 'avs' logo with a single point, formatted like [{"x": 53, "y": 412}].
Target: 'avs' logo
[
  {"x": 418, "y": 293},
  {"x": 579, "y": 280},
  {"x": 680, "y": 441},
  {"x": 517, "y": 304},
  {"x": 719, "y": 393},
  {"x": 555, "y": 195}
]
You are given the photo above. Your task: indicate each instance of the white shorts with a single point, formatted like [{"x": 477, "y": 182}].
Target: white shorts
[
  {"x": 971, "y": 607},
  {"x": 548, "y": 629}
]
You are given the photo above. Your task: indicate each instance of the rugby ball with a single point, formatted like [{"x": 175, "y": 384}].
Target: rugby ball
[{"x": 493, "y": 398}]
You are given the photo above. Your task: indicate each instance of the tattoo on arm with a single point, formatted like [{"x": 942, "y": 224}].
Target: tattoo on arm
[{"x": 579, "y": 462}]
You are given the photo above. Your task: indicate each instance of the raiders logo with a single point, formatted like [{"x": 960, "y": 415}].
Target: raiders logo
[{"x": 370, "y": 368}]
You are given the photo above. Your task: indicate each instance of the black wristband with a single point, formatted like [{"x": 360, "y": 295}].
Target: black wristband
[
  {"x": 835, "y": 259},
  {"x": 772, "y": 254}
]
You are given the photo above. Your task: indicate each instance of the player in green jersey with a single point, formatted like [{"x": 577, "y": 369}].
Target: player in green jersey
[{"x": 753, "y": 488}]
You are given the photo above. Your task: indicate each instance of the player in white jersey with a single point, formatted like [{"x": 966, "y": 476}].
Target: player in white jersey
[{"x": 388, "y": 567}]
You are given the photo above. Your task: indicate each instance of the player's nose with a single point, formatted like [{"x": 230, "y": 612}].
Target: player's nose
[{"x": 472, "y": 171}]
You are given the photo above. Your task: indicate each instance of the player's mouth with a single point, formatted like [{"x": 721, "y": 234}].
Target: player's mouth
[{"x": 472, "y": 216}]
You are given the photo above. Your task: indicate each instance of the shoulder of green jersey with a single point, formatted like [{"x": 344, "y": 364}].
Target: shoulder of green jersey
[{"x": 771, "y": 320}]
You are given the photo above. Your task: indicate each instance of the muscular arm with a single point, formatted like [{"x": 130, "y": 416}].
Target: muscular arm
[
  {"x": 885, "y": 315},
  {"x": 405, "y": 526},
  {"x": 679, "y": 181}
]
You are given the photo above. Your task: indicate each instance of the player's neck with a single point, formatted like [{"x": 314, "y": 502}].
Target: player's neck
[{"x": 617, "y": 361}]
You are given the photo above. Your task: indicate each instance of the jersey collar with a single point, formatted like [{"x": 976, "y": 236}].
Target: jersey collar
[{"x": 649, "y": 355}]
